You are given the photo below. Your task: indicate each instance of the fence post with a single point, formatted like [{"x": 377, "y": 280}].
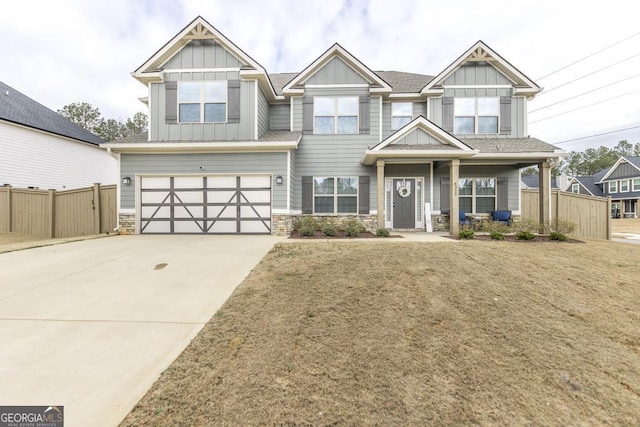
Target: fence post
[
  {"x": 52, "y": 214},
  {"x": 9, "y": 209},
  {"x": 608, "y": 216},
  {"x": 96, "y": 208},
  {"x": 557, "y": 206}
]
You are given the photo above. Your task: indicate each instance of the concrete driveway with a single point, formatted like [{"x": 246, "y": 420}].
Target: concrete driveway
[{"x": 91, "y": 325}]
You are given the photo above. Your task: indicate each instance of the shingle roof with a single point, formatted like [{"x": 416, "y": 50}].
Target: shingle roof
[
  {"x": 18, "y": 108},
  {"x": 508, "y": 145},
  {"x": 272, "y": 135},
  {"x": 399, "y": 81},
  {"x": 589, "y": 183},
  {"x": 531, "y": 181},
  {"x": 635, "y": 160}
]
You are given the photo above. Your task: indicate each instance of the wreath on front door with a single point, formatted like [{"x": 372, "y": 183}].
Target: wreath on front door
[{"x": 404, "y": 188}]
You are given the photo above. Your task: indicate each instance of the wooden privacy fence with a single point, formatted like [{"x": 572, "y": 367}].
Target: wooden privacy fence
[
  {"x": 53, "y": 214},
  {"x": 592, "y": 215}
]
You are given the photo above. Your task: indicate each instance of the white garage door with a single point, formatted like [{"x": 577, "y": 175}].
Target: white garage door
[{"x": 230, "y": 204}]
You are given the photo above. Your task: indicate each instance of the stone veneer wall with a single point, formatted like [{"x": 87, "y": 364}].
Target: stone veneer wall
[
  {"x": 282, "y": 225},
  {"x": 127, "y": 223}
]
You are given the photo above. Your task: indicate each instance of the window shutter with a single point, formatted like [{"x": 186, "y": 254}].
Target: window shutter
[
  {"x": 171, "y": 102},
  {"x": 233, "y": 99},
  {"x": 505, "y": 115},
  {"x": 307, "y": 194},
  {"x": 503, "y": 194},
  {"x": 363, "y": 195},
  {"x": 365, "y": 114},
  {"x": 307, "y": 114},
  {"x": 444, "y": 194},
  {"x": 447, "y": 114}
]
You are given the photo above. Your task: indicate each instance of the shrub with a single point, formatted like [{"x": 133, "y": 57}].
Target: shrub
[
  {"x": 557, "y": 236},
  {"x": 562, "y": 226},
  {"x": 305, "y": 230},
  {"x": 524, "y": 224},
  {"x": 525, "y": 235},
  {"x": 466, "y": 233},
  {"x": 496, "y": 235},
  {"x": 352, "y": 227},
  {"x": 329, "y": 227},
  {"x": 494, "y": 227},
  {"x": 382, "y": 232},
  {"x": 307, "y": 222}
]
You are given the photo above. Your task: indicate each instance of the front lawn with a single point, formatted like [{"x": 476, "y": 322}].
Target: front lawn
[{"x": 390, "y": 333}]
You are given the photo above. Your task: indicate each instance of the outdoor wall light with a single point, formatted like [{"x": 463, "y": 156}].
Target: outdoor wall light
[
  {"x": 279, "y": 179},
  {"x": 126, "y": 180}
]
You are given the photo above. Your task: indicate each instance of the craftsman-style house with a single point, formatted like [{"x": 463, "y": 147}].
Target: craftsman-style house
[{"x": 233, "y": 149}]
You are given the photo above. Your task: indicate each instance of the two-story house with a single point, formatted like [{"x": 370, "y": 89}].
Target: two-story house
[
  {"x": 621, "y": 182},
  {"x": 233, "y": 149}
]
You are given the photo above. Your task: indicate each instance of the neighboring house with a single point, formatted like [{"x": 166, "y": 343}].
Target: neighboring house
[
  {"x": 41, "y": 149},
  {"x": 621, "y": 182},
  {"x": 233, "y": 149},
  {"x": 532, "y": 182}
]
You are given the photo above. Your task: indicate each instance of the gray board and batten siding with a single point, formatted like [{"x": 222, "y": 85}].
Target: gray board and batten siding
[
  {"x": 244, "y": 130},
  {"x": 336, "y": 72},
  {"x": 624, "y": 170},
  {"x": 202, "y": 54},
  {"x": 212, "y": 164}
]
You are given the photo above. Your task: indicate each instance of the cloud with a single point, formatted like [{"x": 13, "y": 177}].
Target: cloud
[{"x": 73, "y": 50}]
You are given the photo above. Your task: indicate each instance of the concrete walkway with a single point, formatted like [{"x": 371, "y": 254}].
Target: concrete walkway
[{"x": 91, "y": 324}]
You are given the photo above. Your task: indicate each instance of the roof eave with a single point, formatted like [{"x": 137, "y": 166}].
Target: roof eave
[{"x": 370, "y": 156}]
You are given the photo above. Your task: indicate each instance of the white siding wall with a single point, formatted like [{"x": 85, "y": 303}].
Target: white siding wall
[{"x": 30, "y": 158}]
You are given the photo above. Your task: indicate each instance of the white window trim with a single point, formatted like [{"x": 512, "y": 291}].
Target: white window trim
[
  {"x": 476, "y": 116},
  {"x": 202, "y": 100},
  {"x": 336, "y": 115},
  {"x": 575, "y": 186},
  {"x": 400, "y": 116},
  {"x": 633, "y": 184},
  {"x": 335, "y": 195},
  {"x": 613, "y": 187},
  {"x": 620, "y": 186},
  {"x": 473, "y": 194}
]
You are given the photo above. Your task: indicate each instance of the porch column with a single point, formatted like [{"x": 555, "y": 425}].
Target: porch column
[
  {"x": 454, "y": 203},
  {"x": 544, "y": 183},
  {"x": 380, "y": 183}
]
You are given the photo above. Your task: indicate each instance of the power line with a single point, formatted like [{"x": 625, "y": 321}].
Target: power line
[
  {"x": 588, "y": 56},
  {"x": 580, "y": 108},
  {"x": 587, "y": 75},
  {"x": 593, "y": 136},
  {"x": 584, "y": 93}
]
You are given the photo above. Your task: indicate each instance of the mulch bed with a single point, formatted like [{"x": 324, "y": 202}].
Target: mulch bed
[{"x": 339, "y": 235}]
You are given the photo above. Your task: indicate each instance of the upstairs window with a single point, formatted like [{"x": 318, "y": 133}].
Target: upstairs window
[
  {"x": 476, "y": 115},
  {"x": 335, "y": 195},
  {"x": 613, "y": 187},
  {"x": 202, "y": 102},
  {"x": 624, "y": 186},
  {"x": 575, "y": 188},
  {"x": 636, "y": 184},
  {"x": 335, "y": 115},
  {"x": 477, "y": 195},
  {"x": 401, "y": 114}
]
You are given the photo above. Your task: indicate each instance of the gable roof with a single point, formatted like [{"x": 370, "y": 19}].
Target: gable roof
[
  {"x": 589, "y": 184},
  {"x": 200, "y": 29},
  {"x": 18, "y": 108},
  {"x": 632, "y": 160},
  {"x": 354, "y": 63},
  {"x": 480, "y": 51}
]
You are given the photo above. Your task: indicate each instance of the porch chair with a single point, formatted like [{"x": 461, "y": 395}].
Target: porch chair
[
  {"x": 503, "y": 217},
  {"x": 463, "y": 218}
]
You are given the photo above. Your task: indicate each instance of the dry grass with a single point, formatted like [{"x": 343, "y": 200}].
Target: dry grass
[
  {"x": 473, "y": 333},
  {"x": 13, "y": 238},
  {"x": 626, "y": 225}
]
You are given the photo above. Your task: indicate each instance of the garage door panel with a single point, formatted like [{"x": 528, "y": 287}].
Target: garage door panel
[{"x": 206, "y": 204}]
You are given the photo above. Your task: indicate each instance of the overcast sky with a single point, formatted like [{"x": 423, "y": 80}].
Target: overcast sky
[{"x": 63, "y": 51}]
